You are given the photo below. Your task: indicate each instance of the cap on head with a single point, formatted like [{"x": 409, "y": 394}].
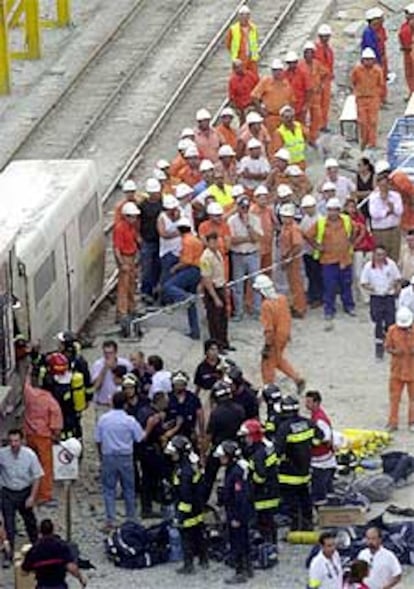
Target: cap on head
[
  {"x": 253, "y": 117},
  {"x": 328, "y": 186},
  {"x": 261, "y": 191},
  {"x": 264, "y": 285},
  {"x": 289, "y": 404},
  {"x": 373, "y": 13},
  {"x": 331, "y": 162},
  {"x": 129, "y": 380},
  {"x": 187, "y": 133},
  {"x": 382, "y": 167},
  {"x": 243, "y": 201},
  {"x": 182, "y": 190},
  {"x": 163, "y": 164},
  {"x": 152, "y": 185},
  {"x": 309, "y": 45},
  {"x": 206, "y": 165},
  {"x": 287, "y": 110},
  {"x": 294, "y": 171},
  {"x": 244, "y": 9},
  {"x": 283, "y": 154},
  {"x": 368, "y": 53},
  {"x": 334, "y": 204},
  {"x": 287, "y": 210},
  {"x": 191, "y": 151},
  {"x": 169, "y": 202},
  {"x": 404, "y": 317},
  {"x": 184, "y": 143},
  {"x": 277, "y": 64},
  {"x": 324, "y": 30},
  {"x": 183, "y": 222},
  {"x": 179, "y": 377},
  {"x": 159, "y": 175},
  {"x": 237, "y": 190},
  {"x": 409, "y": 10},
  {"x": 291, "y": 57},
  {"x": 214, "y": 208},
  {"x": 253, "y": 143},
  {"x": 284, "y": 190},
  {"x": 308, "y": 201},
  {"x": 203, "y": 115},
  {"x": 129, "y": 186},
  {"x": 226, "y": 151},
  {"x": 130, "y": 209},
  {"x": 227, "y": 112}
]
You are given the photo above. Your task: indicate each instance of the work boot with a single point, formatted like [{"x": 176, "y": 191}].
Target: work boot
[
  {"x": 186, "y": 569},
  {"x": 236, "y": 579},
  {"x": 248, "y": 568},
  {"x": 203, "y": 562},
  {"x": 379, "y": 351}
]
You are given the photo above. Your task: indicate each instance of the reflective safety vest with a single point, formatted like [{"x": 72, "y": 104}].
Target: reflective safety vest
[
  {"x": 320, "y": 232},
  {"x": 223, "y": 196},
  {"x": 263, "y": 471},
  {"x": 236, "y": 36},
  {"x": 294, "y": 142},
  {"x": 188, "y": 485}
]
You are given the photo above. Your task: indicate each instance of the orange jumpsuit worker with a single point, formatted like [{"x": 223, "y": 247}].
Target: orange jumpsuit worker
[
  {"x": 271, "y": 93},
  {"x": 400, "y": 182},
  {"x": 125, "y": 242},
  {"x": 317, "y": 73},
  {"x": 227, "y": 134},
  {"x": 405, "y": 36},
  {"x": 276, "y": 321},
  {"x": 291, "y": 246},
  {"x": 43, "y": 422},
  {"x": 325, "y": 55},
  {"x": 399, "y": 342},
  {"x": 178, "y": 161},
  {"x": 129, "y": 189},
  {"x": 368, "y": 85},
  {"x": 291, "y": 135},
  {"x": 242, "y": 40},
  {"x": 382, "y": 37},
  {"x": 300, "y": 81}
]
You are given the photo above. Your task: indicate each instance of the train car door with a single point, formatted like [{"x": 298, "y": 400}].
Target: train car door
[{"x": 72, "y": 253}]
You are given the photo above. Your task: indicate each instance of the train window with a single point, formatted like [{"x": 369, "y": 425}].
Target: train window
[
  {"x": 44, "y": 278},
  {"x": 88, "y": 218}
]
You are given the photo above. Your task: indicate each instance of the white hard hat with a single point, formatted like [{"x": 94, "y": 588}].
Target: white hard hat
[
  {"x": 253, "y": 143},
  {"x": 182, "y": 190},
  {"x": 183, "y": 222},
  {"x": 331, "y": 162},
  {"x": 409, "y": 9},
  {"x": 130, "y": 209},
  {"x": 191, "y": 151},
  {"x": 72, "y": 446},
  {"x": 187, "y": 132},
  {"x": 237, "y": 190},
  {"x": 261, "y": 190},
  {"x": 253, "y": 117},
  {"x": 368, "y": 53},
  {"x": 333, "y": 203},
  {"x": 206, "y": 165},
  {"x": 291, "y": 56},
  {"x": 372, "y": 13},
  {"x": 283, "y": 154},
  {"x": 184, "y": 143},
  {"x": 404, "y": 317},
  {"x": 287, "y": 210},
  {"x": 214, "y": 208},
  {"x": 244, "y": 9},
  {"x": 152, "y": 185},
  {"x": 264, "y": 285},
  {"x": 129, "y": 186},
  {"x": 328, "y": 185},
  {"x": 284, "y": 190},
  {"x": 170, "y": 202},
  {"x": 203, "y": 115},
  {"x": 227, "y": 112},
  {"x": 324, "y": 30},
  {"x": 277, "y": 64},
  {"x": 159, "y": 175},
  {"x": 382, "y": 166},
  {"x": 309, "y": 45},
  {"x": 163, "y": 164},
  {"x": 226, "y": 151},
  {"x": 308, "y": 201},
  {"x": 286, "y": 109},
  {"x": 294, "y": 171}
]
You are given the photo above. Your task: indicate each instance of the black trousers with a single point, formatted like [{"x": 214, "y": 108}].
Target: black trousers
[
  {"x": 194, "y": 543},
  {"x": 239, "y": 546},
  {"x": 382, "y": 311},
  {"x": 314, "y": 276},
  {"x": 217, "y": 318},
  {"x": 12, "y": 502},
  {"x": 298, "y": 505},
  {"x": 153, "y": 470}
]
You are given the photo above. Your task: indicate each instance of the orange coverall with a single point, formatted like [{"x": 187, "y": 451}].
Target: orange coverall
[
  {"x": 382, "y": 37},
  {"x": 402, "y": 184},
  {"x": 301, "y": 84},
  {"x": 291, "y": 244},
  {"x": 317, "y": 73},
  {"x": 276, "y": 321},
  {"x": 325, "y": 55},
  {"x": 125, "y": 241},
  {"x": 405, "y": 36},
  {"x": 273, "y": 94},
  {"x": 368, "y": 86},
  {"x": 228, "y": 136},
  {"x": 243, "y": 55},
  {"x": 401, "y": 342}
]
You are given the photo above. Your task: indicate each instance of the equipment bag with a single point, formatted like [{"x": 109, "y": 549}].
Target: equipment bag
[{"x": 132, "y": 546}]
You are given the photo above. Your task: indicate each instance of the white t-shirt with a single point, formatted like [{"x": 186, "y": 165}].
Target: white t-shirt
[
  {"x": 381, "y": 278},
  {"x": 406, "y": 298},
  {"x": 325, "y": 573},
  {"x": 254, "y": 166},
  {"x": 383, "y": 566}
]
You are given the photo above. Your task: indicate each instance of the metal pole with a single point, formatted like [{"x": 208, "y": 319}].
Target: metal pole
[
  {"x": 63, "y": 13},
  {"x": 32, "y": 26},
  {"x": 67, "y": 485},
  {"x": 4, "y": 51}
]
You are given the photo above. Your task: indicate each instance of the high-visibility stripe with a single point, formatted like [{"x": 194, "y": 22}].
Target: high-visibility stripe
[
  {"x": 258, "y": 479},
  {"x": 289, "y": 479},
  {"x": 193, "y": 521},
  {"x": 308, "y": 434},
  {"x": 314, "y": 583},
  {"x": 184, "y": 507},
  {"x": 271, "y": 460},
  {"x": 266, "y": 504},
  {"x": 196, "y": 477},
  {"x": 294, "y": 141},
  {"x": 270, "y": 427},
  {"x": 320, "y": 232},
  {"x": 236, "y": 42}
]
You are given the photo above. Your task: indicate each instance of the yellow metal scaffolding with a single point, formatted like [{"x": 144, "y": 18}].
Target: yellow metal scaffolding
[{"x": 25, "y": 14}]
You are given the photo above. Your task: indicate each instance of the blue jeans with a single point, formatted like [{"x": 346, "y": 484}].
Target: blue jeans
[
  {"x": 114, "y": 468},
  {"x": 151, "y": 266},
  {"x": 336, "y": 279},
  {"x": 179, "y": 287},
  {"x": 167, "y": 262},
  {"x": 242, "y": 264}
]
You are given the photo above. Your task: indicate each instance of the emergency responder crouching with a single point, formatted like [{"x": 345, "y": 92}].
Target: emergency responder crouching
[
  {"x": 187, "y": 484},
  {"x": 239, "y": 510},
  {"x": 293, "y": 445},
  {"x": 262, "y": 460}
]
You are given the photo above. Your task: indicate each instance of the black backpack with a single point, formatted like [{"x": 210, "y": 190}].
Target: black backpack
[{"x": 132, "y": 546}]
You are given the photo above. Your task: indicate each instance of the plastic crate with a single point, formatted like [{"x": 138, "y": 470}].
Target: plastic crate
[{"x": 400, "y": 140}]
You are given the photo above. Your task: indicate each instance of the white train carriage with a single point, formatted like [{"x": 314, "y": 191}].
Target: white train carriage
[{"x": 60, "y": 247}]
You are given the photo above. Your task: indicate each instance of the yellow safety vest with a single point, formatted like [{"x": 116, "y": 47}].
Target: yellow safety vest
[
  {"x": 222, "y": 197},
  {"x": 236, "y": 42},
  {"x": 294, "y": 142},
  {"x": 320, "y": 232}
]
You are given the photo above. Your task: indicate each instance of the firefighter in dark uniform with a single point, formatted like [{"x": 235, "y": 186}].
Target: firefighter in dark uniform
[
  {"x": 224, "y": 423},
  {"x": 293, "y": 444},
  {"x": 243, "y": 392},
  {"x": 262, "y": 459},
  {"x": 188, "y": 493},
  {"x": 272, "y": 396},
  {"x": 239, "y": 510}
]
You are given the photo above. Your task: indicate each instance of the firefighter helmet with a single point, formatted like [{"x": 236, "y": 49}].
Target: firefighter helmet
[
  {"x": 180, "y": 377},
  {"x": 271, "y": 393},
  {"x": 178, "y": 445},
  {"x": 289, "y": 405},
  {"x": 228, "y": 448},
  {"x": 221, "y": 390},
  {"x": 251, "y": 428},
  {"x": 57, "y": 363},
  {"x": 235, "y": 373}
]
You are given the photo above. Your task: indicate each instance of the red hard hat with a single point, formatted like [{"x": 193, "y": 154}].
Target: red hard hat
[
  {"x": 57, "y": 363},
  {"x": 252, "y": 428}
]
